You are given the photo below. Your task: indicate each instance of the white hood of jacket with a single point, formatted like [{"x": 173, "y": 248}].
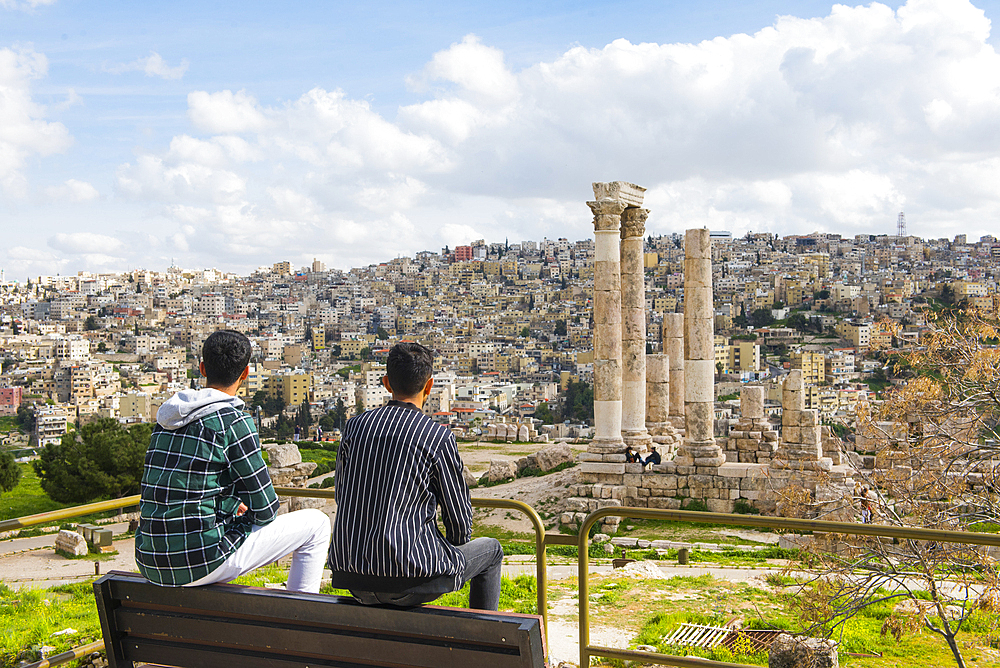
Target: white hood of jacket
[{"x": 188, "y": 405}]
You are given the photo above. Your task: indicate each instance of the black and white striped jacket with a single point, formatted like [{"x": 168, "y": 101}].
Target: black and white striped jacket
[{"x": 395, "y": 467}]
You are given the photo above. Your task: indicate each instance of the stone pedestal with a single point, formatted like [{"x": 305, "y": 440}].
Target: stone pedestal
[
  {"x": 633, "y": 329},
  {"x": 699, "y": 448}
]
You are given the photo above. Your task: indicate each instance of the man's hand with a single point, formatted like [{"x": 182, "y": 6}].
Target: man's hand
[{"x": 242, "y": 509}]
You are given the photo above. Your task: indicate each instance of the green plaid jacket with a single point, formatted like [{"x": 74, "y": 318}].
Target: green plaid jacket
[{"x": 193, "y": 482}]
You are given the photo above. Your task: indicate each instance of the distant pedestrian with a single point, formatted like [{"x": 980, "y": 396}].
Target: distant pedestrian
[
  {"x": 631, "y": 456},
  {"x": 319, "y": 433},
  {"x": 298, "y": 433},
  {"x": 866, "y": 506},
  {"x": 652, "y": 458}
]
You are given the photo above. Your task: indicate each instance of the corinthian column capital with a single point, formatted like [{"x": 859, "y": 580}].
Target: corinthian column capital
[
  {"x": 634, "y": 222},
  {"x": 607, "y": 214}
]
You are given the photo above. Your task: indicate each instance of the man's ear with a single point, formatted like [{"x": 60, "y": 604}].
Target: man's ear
[
  {"x": 201, "y": 368},
  {"x": 245, "y": 374},
  {"x": 385, "y": 384},
  {"x": 427, "y": 387}
]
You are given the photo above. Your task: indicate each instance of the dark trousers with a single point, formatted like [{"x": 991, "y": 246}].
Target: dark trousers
[{"x": 483, "y": 563}]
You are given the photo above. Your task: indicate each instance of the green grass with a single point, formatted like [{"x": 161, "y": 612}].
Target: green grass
[
  {"x": 8, "y": 423},
  {"x": 27, "y": 498},
  {"x": 28, "y": 618},
  {"x": 325, "y": 459}
]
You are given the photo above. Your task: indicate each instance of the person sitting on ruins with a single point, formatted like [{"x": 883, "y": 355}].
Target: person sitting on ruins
[
  {"x": 652, "y": 458},
  {"x": 208, "y": 511},
  {"x": 631, "y": 456},
  {"x": 394, "y": 468}
]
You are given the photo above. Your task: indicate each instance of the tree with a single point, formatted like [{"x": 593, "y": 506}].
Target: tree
[
  {"x": 273, "y": 405},
  {"x": 304, "y": 417},
  {"x": 25, "y": 417},
  {"x": 381, "y": 333},
  {"x": 101, "y": 461},
  {"x": 102, "y": 347},
  {"x": 91, "y": 323},
  {"x": 578, "y": 402},
  {"x": 560, "y": 328},
  {"x": 525, "y": 332},
  {"x": 10, "y": 472},
  {"x": 937, "y": 442},
  {"x": 365, "y": 354},
  {"x": 545, "y": 414},
  {"x": 761, "y": 317}
]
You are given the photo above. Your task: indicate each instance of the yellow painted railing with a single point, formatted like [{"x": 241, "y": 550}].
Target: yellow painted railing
[
  {"x": 541, "y": 540},
  {"x": 820, "y": 526}
]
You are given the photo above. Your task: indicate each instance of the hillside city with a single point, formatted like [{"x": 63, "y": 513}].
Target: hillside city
[{"x": 511, "y": 324}]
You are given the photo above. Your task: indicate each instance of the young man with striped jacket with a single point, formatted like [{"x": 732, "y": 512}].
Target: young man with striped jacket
[{"x": 395, "y": 467}]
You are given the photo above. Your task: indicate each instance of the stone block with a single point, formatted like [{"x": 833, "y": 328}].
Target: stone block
[
  {"x": 501, "y": 469},
  {"x": 791, "y": 435},
  {"x": 633, "y": 468},
  {"x": 631, "y": 491},
  {"x": 698, "y": 244},
  {"x": 809, "y": 418},
  {"x": 710, "y": 461},
  {"x": 607, "y": 341},
  {"x": 567, "y": 519},
  {"x": 790, "y": 652},
  {"x": 632, "y": 479},
  {"x": 605, "y": 468},
  {"x": 659, "y": 481},
  {"x": 589, "y": 457},
  {"x": 686, "y": 470},
  {"x": 752, "y": 402},
  {"x": 664, "y": 503},
  {"x": 615, "y": 458},
  {"x": 608, "y": 503},
  {"x": 719, "y": 505},
  {"x": 283, "y": 455},
  {"x": 643, "y": 492},
  {"x": 71, "y": 543},
  {"x": 300, "y": 503}
]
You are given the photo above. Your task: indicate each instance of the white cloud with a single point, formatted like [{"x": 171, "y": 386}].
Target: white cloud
[
  {"x": 831, "y": 123},
  {"x": 23, "y": 130},
  {"x": 152, "y": 65},
  {"x": 225, "y": 112},
  {"x": 72, "y": 191},
  {"x": 85, "y": 242},
  {"x": 26, "y": 5}
]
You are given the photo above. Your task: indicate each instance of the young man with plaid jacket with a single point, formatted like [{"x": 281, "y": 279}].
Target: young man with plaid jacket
[{"x": 207, "y": 506}]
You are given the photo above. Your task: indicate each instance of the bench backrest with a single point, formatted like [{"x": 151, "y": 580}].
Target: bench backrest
[{"x": 250, "y": 627}]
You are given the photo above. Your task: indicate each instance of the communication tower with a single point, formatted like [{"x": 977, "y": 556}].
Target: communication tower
[{"x": 901, "y": 225}]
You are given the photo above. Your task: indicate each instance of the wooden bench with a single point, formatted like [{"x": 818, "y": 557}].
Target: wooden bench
[{"x": 231, "y": 626}]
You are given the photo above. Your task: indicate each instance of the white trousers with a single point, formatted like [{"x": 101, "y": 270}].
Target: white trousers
[{"x": 304, "y": 533}]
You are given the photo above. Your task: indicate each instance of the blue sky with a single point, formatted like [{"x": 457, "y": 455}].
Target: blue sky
[{"x": 238, "y": 134}]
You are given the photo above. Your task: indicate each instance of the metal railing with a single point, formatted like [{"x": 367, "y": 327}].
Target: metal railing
[
  {"x": 821, "y": 526},
  {"x": 541, "y": 541}
]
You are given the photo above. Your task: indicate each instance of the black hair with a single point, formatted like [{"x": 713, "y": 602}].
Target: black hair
[
  {"x": 225, "y": 354},
  {"x": 408, "y": 368}
]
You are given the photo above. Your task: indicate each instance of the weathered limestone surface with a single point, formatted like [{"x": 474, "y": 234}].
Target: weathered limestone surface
[
  {"x": 633, "y": 283},
  {"x": 607, "y": 320},
  {"x": 673, "y": 347},
  {"x": 71, "y": 542},
  {"x": 752, "y": 440},
  {"x": 699, "y": 448}
]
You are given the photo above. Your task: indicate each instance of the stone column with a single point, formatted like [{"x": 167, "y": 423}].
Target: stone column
[
  {"x": 699, "y": 448},
  {"x": 673, "y": 346},
  {"x": 634, "y": 329},
  {"x": 607, "y": 327},
  {"x": 657, "y": 390}
]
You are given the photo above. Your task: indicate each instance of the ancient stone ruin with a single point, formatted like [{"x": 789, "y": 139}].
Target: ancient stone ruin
[{"x": 667, "y": 400}]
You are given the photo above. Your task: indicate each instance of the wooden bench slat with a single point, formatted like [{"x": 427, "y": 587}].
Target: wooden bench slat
[
  {"x": 310, "y": 642},
  {"x": 478, "y": 625},
  {"x": 262, "y": 628}
]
